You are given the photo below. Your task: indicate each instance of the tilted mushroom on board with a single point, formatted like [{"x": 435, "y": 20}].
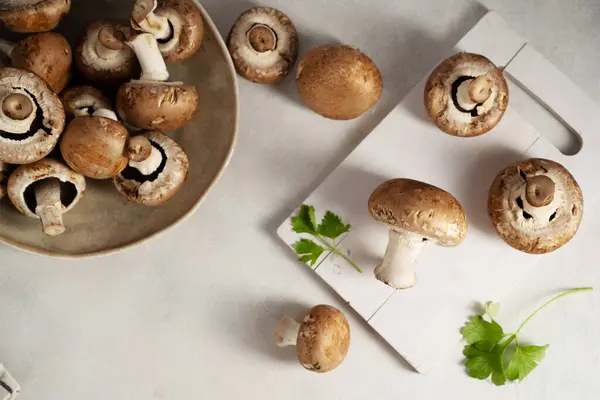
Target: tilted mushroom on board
[
  {"x": 46, "y": 189},
  {"x": 79, "y": 101},
  {"x": 151, "y": 102},
  {"x": 415, "y": 213},
  {"x": 466, "y": 95},
  {"x": 102, "y": 56},
  {"x": 263, "y": 44},
  {"x": 157, "y": 169},
  {"x": 32, "y": 117},
  {"x": 30, "y": 16},
  {"x": 322, "y": 339},
  {"x": 176, "y": 24},
  {"x": 536, "y": 205},
  {"x": 338, "y": 81},
  {"x": 47, "y": 54}
]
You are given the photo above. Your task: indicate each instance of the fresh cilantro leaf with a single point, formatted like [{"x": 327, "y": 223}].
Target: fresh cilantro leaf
[
  {"x": 478, "y": 329},
  {"x": 305, "y": 222},
  {"x": 481, "y": 363},
  {"x": 332, "y": 226},
  {"x": 308, "y": 251},
  {"x": 491, "y": 309},
  {"x": 524, "y": 361}
]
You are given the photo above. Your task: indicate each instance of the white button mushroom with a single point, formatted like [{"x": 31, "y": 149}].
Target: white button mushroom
[
  {"x": 79, "y": 101},
  {"x": 8, "y": 384},
  {"x": 31, "y": 117},
  {"x": 263, "y": 44},
  {"x": 338, "y": 81},
  {"x": 47, "y": 54},
  {"x": 29, "y": 16},
  {"x": 46, "y": 189},
  {"x": 322, "y": 338},
  {"x": 466, "y": 95},
  {"x": 536, "y": 205},
  {"x": 177, "y": 26},
  {"x": 156, "y": 171},
  {"x": 102, "y": 56},
  {"x": 415, "y": 213},
  {"x": 151, "y": 103}
]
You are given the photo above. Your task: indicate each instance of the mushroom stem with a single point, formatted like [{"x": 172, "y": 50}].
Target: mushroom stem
[
  {"x": 397, "y": 268},
  {"x": 286, "y": 333},
  {"x": 151, "y": 60},
  {"x": 7, "y": 47},
  {"x": 149, "y": 164},
  {"x": 540, "y": 191},
  {"x": 49, "y": 206},
  {"x": 139, "y": 148},
  {"x": 103, "y": 112},
  {"x": 262, "y": 38},
  {"x": 17, "y": 106},
  {"x": 144, "y": 18},
  {"x": 109, "y": 43},
  {"x": 480, "y": 89}
]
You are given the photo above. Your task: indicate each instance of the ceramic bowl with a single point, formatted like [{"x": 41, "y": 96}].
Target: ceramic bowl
[{"x": 104, "y": 221}]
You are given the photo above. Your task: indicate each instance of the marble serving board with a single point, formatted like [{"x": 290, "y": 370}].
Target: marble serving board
[{"x": 423, "y": 323}]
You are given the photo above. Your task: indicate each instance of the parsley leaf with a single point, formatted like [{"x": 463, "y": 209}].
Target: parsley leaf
[
  {"x": 308, "y": 251},
  {"x": 524, "y": 361},
  {"x": 487, "y": 343},
  {"x": 478, "y": 329},
  {"x": 331, "y": 227}
]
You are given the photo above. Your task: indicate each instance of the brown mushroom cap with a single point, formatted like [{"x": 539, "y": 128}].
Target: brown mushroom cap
[
  {"x": 413, "y": 206},
  {"x": 48, "y": 55},
  {"x": 532, "y": 214},
  {"x": 159, "y": 185},
  {"x": 157, "y": 105},
  {"x": 30, "y": 16},
  {"x": 469, "y": 112},
  {"x": 338, "y": 81},
  {"x": 102, "y": 57},
  {"x": 323, "y": 339},
  {"x": 94, "y": 146},
  {"x": 263, "y": 44},
  {"x": 83, "y": 100},
  {"x": 23, "y": 141}
]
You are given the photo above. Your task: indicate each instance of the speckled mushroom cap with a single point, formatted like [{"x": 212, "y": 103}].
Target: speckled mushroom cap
[
  {"x": 185, "y": 22},
  {"x": 32, "y": 138},
  {"x": 462, "y": 105},
  {"x": 263, "y": 44},
  {"x": 338, "y": 81},
  {"x": 161, "y": 183},
  {"x": 413, "y": 206},
  {"x": 323, "y": 339},
  {"x": 102, "y": 57},
  {"x": 26, "y": 175},
  {"x": 83, "y": 100},
  {"x": 33, "y": 15},
  {"x": 536, "y": 205}
]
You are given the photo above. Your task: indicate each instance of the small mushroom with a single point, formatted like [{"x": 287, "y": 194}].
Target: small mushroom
[
  {"x": 102, "y": 56},
  {"x": 31, "y": 117},
  {"x": 338, "y": 81},
  {"x": 263, "y": 44},
  {"x": 79, "y": 101},
  {"x": 322, "y": 338},
  {"x": 47, "y": 54},
  {"x": 157, "y": 169},
  {"x": 536, "y": 205},
  {"x": 8, "y": 384},
  {"x": 96, "y": 145},
  {"x": 46, "y": 189},
  {"x": 466, "y": 95},
  {"x": 151, "y": 103},
  {"x": 30, "y": 16},
  {"x": 415, "y": 213},
  {"x": 177, "y": 26}
]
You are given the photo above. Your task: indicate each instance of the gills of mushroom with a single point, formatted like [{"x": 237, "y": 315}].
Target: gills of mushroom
[
  {"x": 415, "y": 213},
  {"x": 153, "y": 65},
  {"x": 49, "y": 206}
]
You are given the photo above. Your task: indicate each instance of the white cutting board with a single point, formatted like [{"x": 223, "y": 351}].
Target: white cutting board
[{"x": 423, "y": 323}]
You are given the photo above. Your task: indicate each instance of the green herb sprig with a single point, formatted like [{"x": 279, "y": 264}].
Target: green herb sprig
[
  {"x": 325, "y": 233},
  {"x": 487, "y": 344}
]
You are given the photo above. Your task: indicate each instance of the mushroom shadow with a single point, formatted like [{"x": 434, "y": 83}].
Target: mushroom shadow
[{"x": 475, "y": 185}]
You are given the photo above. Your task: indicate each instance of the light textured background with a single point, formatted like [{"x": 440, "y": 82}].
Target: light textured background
[{"x": 190, "y": 315}]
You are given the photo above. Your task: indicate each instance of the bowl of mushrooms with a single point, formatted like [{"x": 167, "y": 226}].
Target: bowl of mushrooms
[{"x": 116, "y": 118}]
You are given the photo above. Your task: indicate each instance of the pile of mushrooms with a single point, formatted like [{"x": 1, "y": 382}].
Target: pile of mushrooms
[{"x": 40, "y": 113}]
